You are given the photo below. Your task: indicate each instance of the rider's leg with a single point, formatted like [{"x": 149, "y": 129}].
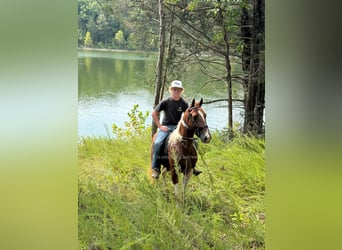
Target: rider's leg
[{"x": 161, "y": 136}]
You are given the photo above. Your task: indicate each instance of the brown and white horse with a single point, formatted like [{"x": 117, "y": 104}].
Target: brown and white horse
[{"x": 181, "y": 148}]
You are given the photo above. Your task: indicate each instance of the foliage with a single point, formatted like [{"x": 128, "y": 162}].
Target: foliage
[
  {"x": 132, "y": 41},
  {"x": 103, "y": 19},
  {"x": 88, "y": 42},
  {"x": 119, "y": 208},
  {"x": 119, "y": 39},
  {"x": 136, "y": 126}
]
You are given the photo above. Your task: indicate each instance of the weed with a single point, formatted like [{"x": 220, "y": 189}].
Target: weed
[{"x": 120, "y": 209}]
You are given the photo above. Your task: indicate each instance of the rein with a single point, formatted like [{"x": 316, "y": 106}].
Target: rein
[{"x": 187, "y": 127}]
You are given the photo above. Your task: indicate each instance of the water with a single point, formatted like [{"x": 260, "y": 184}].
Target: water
[
  {"x": 97, "y": 115},
  {"x": 110, "y": 83}
]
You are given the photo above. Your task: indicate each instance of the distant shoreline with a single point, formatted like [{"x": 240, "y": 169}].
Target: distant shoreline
[{"x": 115, "y": 50}]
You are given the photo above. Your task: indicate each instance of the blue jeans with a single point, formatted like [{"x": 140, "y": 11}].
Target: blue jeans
[{"x": 161, "y": 136}]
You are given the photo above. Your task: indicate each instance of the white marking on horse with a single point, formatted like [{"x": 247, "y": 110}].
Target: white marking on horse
[
  {"x": 201, "y": 114},
  {"x": 175, "y": 136},
  {"x": 207, "y": 134}
]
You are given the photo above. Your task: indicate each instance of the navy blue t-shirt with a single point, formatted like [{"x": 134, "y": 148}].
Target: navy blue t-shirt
[{"x": 172, "y": 110}]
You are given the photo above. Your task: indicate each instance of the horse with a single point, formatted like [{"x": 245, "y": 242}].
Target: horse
[{"x": 181, "y": 151}]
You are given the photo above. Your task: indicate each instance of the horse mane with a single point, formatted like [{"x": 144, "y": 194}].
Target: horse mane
[{"x": 175, "y": 136}]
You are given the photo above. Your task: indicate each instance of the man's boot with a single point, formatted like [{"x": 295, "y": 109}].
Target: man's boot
[{"x": 196, "y": 172}]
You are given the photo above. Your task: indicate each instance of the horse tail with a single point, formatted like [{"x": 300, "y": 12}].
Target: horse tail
[{"x": 149, "y": 171}]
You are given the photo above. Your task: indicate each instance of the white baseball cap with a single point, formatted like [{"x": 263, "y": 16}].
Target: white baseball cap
[{"x": 176, "y": 84}]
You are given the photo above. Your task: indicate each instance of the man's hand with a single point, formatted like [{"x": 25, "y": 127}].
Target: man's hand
[{"x": 164, "y": 128}]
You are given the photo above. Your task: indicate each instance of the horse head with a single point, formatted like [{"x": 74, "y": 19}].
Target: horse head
[{"x": 195, "y": 118}]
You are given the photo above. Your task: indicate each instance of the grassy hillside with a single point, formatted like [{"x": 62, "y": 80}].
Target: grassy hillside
[{"x": 119, "y": 208}]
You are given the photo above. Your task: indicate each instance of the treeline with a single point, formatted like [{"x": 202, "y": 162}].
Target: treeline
[{"x": 115, "y": 25}]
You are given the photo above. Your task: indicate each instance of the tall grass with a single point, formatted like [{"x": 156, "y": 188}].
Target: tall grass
[{"x": 119, "y": 207}]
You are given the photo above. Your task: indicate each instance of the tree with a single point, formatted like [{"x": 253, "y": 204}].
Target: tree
[
  {"x": 87, "y": 12},
  {"x": 132, "y": 41},
  {"x": 206, "y": 28},
  {"x": 253, "y": 30},
  {"x": 119, "y": 39},
  {"x": 104, "y": 31},
  {"x": 216, "y": 28},
  {"x": 88, "y": 42},
  {"x": 160, "y": 63},
  {"x": 91, "y": 27},
  {"x": 139, "y": 18}
]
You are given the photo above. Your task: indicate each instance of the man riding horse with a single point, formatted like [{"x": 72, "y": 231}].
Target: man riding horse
[{"x": 173, "y": 108}]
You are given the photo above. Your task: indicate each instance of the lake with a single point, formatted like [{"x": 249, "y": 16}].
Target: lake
[{"x": 111, "y": 82}]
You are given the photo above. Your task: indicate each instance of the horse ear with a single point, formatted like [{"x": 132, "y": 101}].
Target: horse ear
[
  {"x": 192, "y": 103},
  {"x": 201, "y": 102}
]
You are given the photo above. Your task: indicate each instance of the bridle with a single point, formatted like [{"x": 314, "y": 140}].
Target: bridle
[{"x": 197, "y": 129}]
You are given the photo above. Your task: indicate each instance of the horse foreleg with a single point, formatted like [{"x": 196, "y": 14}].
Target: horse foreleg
[
  {"x": 173, "y": 171},
  {"x": 174, "y": 175}
]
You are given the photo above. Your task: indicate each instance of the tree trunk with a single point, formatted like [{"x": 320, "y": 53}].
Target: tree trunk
[
  {"x": 246, "y": 56},
  {"x": 259, "y": 17},
  {"x": 253, "y": 58},
  {"x": 168, "y": 53},
  {"x": 228, "y": 76},
  {"x": 160, "y": 63}
]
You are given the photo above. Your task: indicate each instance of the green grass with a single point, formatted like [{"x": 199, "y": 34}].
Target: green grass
[{"x": 119, "y": 208}]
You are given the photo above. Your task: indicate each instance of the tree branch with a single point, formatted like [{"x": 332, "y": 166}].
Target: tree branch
[{"x": 223, "y": 100}]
